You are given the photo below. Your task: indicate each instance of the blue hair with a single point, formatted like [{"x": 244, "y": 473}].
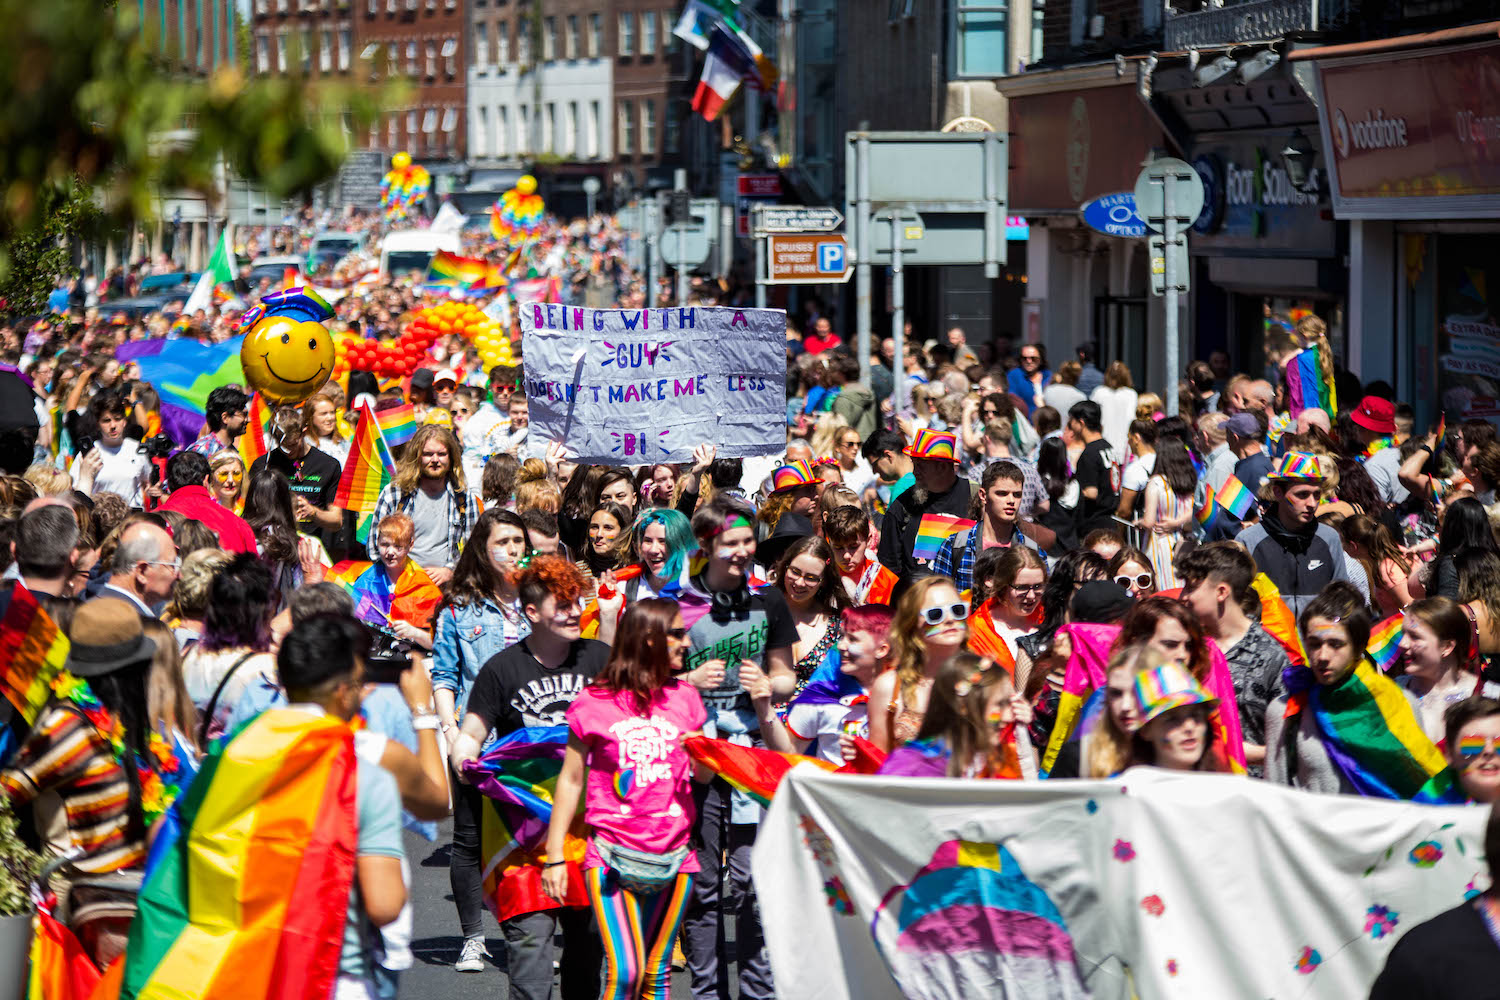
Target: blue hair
[{"x": 680, "y": 540}]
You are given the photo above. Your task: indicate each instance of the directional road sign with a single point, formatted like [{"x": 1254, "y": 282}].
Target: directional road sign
[
  {"x": 807, "y": 259},
  {"x": 798, "y": 219}
]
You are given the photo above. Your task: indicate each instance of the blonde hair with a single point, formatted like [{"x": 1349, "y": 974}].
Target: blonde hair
[
  {"x": 48, "y": 481},
  {"x": 535, "y": 489},
  {"x": 1108, "y": 751},
  {"x": 190, "y": 592},
  {"x": 1147, "y": 405},
  {"x": 908, "y": 648},
  {"x": 167, "y": 701},
  {"x": 827, "y": 430},
  {"x": 230, "y": 457},
  {"x": 409, "y": 465}
]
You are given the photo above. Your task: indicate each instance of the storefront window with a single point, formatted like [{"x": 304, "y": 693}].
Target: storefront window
[{"x": 1468, "y": 333}]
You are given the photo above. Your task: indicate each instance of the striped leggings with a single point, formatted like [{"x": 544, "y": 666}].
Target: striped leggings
[{"x": 638, "y": 932}]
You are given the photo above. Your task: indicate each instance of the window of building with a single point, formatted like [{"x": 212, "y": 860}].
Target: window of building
[
  {"x": 570, "y": 37},
  {"x": 430, "y": 121},
  {"x": 574, "y": 127},
  {"x": 325, "y": 52},
  {"x": 482, "y": 47},
  {"x": 262, "y": 54},
  {"x": 648, "y": 128},
  {"x": 450, "y": 57},
  {"x": 980, "y": 38},
  {"x": 523, "y": 43},
  {"x": 596, "y": 35},
  {"x": 390, "y": 132},
  {"x": 900, "y": 9},
  {"x": 627, "y": 33},
  {"x": 502, "y": 44},
  {"x": 552, "y": 141},
  {"x": 595, "y": 132},
  {"x": 502, "y": 130},
  {"x": 374, "y": 9},
  {"x": 305, "y": 41},
  {"x": 480, "y": 141},
  {"x": 346, "y": 46},
  {"x": 669, "y": 40},
  {"x": 549, "y": 39},
  {"x": 281, "y": 51},
  {"x": 432, "y": 58},
  {"x": 523, "y": 130},
  {"x": 411, "y": 58},
  {"x": 281, "y": 6},
  {"x": 392, "y": 58},
  {"x": 671, "y": 134},
  {"x": 450, "y": 121},
  {"x": 648, "y": 32},
  {"x": 262, "y": 6},
  {"x": 626, "y": 139}
]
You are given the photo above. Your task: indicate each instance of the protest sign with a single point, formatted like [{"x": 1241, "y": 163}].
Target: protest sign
[
  {"x": 636, "y": 386},
  {"x": 1154, "y": 884}
]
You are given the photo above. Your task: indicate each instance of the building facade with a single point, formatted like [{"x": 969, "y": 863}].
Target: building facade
[{"x": 421, "y": 41}]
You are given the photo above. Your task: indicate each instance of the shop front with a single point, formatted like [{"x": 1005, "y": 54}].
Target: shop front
[
  {"x": 1265, "y": 250},
  {"x": 1412, "y": 138}
]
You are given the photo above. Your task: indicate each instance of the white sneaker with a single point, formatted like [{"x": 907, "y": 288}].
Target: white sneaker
[{"x": 471, "y": 958}]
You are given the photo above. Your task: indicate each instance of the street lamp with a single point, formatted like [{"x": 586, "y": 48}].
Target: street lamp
[{"x": 1297, "y": 156}]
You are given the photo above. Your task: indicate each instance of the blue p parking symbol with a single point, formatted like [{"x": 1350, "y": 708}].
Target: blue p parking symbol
[{"x": 830, "y": 258}]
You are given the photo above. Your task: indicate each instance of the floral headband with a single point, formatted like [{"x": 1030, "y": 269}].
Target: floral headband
[{"x": 963, "y": 687}]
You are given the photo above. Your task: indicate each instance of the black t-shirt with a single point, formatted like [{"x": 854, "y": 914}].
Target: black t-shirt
[
  {"x": 898, "y": 533},
  {"x": 315, "y": 478},
  {"x": 1098, "y": 469},
  {"x": 1450, "y": 957},
  {"x": 514, "y": 690}
]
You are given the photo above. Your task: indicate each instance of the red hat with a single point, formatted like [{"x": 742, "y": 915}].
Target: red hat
[{"x": 1375, "y": 414}]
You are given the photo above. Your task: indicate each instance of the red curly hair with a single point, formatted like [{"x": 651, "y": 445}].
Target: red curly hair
[{"x": 548, "y": 576}]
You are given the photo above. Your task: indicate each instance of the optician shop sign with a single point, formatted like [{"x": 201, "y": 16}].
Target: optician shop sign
[
  {"x": 1250, "y": 203},
  {"x": 1413, "y": 135}
]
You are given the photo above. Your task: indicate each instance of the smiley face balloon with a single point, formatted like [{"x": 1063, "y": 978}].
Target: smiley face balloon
[{"x": 287, "y": 354}]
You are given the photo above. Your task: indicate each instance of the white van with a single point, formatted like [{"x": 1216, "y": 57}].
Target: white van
[{"x": 412, "y": 250}]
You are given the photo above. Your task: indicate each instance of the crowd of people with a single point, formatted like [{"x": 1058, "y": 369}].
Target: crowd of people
[{"x": 938, "y": 548}]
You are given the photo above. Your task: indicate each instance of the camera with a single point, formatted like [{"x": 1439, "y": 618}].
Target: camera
[
  {"x": 159, "y": 446},
  {"x": 388, "y": 656},
  {"x": 85, "y": 444}
]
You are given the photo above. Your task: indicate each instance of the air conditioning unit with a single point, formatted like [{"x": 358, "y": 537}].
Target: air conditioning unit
[{"x": 1096, "y": 26}]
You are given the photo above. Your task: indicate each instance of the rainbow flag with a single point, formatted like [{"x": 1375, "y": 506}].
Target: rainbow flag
[
  {"x": 1209, "y": 509},
  {"x": 183, "y": 373},
  {"x": 933, "y": 530},
  {"x": 413, "y": 599},
  {"x": 1305, "y": 386},
  {"x": 1385, "y": 641},
  {"x": 367, "y": 471},
  {"x": 252, "y": 444},
  {"x": 985, "y": 640},
  {"x": 753, "y": 770},
  {"x": 1236, "y": 498},
  {"x": 397, "y": 424},
  {"x": 1277, "y": 619},
  {"x": 882, "y": 587},
  {"x": 32, "y": 652},
  {"x": 60, "y": 968},
  {"x": 1372, "y": 736},
  {"x": 247, "y": 898},
  {"x": 517, "y": 776},
  {"x": 468, "y": 274}
]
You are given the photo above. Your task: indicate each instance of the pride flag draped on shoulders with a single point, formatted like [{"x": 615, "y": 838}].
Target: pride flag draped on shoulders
[
  {"x": 412, "y": 598},
  {"x": 247, "y": 887}
]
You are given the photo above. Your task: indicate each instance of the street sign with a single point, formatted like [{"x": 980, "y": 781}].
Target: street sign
[
  {"x": 798, "y": 219},
  {"x": 1113, "y": 215},
  {"x": 807, "y": 259},
  {"x": 1150, "y": 193},
  {"x": 759, "y": 185},
  {"x": 1156, "y": 248}
]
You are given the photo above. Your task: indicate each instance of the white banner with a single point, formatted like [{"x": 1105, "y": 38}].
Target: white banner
[
  {"x": 1175, "y": 885},
  {"x": 634, "y": 386}
]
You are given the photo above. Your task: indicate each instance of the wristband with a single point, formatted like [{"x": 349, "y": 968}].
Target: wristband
[
  {"x": 428, "y": 721},
  {"x": 553, "y": 864}
]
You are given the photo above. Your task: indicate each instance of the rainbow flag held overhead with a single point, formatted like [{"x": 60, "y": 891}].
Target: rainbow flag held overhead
[
  {"x": 465, "y": 274},
  {"x": 1235, "y": 497},
  {"x": 753, "y": 770},
  {"x": 367, "y": 471},
  {"x": 1306, "y": 387},
  {"x": 184, "y": 372},
  {"x": 1384, "y": 646},
  {"x": 248, "y": 897},
  {"x": 1277, "y": 619},
  {"x": 252, "y": 443},
  {"x": 397, "y": 424},
  {"x": 933, "y": 530},
  {"x": 33, "y": 650},
  {"x": 517, "y": 776}
]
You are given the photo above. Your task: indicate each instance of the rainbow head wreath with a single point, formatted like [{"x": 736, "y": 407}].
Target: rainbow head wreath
[
  {"x": 288, "y": 353},
  {"x": 403, "y": 188}
]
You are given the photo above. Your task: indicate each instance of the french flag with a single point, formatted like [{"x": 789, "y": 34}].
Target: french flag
[{"x": 725, "y": 65}]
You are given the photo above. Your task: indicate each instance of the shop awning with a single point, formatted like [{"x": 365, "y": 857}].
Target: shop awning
[{"x": 1448, "y": 36}]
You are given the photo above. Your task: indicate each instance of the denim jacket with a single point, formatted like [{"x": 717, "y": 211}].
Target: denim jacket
[{"x": 467, "y": 637}]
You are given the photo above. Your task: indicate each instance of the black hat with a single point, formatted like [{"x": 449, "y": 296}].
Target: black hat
[
  {"x": 788, "y": 529},
  {"x": 1102, "y": 602},
  {"x": 421, "y": 379}
]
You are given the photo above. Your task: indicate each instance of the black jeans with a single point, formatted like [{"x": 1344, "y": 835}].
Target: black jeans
[
  {"x": 464, "y": 872},
  {"x": 529, "y": 951}
]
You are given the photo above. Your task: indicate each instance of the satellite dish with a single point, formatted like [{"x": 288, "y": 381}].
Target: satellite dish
[{"x": 968, "y": 124}]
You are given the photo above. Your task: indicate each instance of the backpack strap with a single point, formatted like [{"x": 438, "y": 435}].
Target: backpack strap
[{"x": 213, "y": 703}]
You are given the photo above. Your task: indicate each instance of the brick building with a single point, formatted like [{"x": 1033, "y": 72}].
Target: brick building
[{"x": 422, "y": 41}]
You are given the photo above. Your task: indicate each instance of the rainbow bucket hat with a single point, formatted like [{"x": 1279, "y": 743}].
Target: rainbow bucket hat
[
  {"x": 1298, "y": 467},
  {"x": 1159, "y": 690},
  {"x": 792, "y": 475},
  {"x": 938, "y": 446}
]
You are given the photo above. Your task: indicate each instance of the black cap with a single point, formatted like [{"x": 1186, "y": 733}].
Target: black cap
[
  {"x": 422, "y": 379},
  {"x": 1101, "y": 602},
  {"x": 788, "y": 529}
]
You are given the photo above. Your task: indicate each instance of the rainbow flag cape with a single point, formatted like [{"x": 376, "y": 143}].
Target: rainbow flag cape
[
  {"x": 60, "y": 968},
  {"x": 248, "y": 896},
  {"x": 367, "y": 471},
  {"x": 183, "y": 373},
  {"x": 1236, "y": 498},
  {"x": 1305, "y": 386},
  {"x": 252, "y": 444},
  {"x": 397, "y": 424},
  {"x": 882, "y": 587},
  {"x": 752, "y": 770},
  {"x": 1373, "y": 737},
  {"x": 933, "y": 530},
  {"x": 32, "y": 652},
  {"x": 984, "y": 640},
  {"x": 413, "y": 599},
  {"x": 518, "y": 776},
  {"x": 466, "y": 274},
  {"x": 1385, "y": 641},
  {"x": 1277, "y": 619}
]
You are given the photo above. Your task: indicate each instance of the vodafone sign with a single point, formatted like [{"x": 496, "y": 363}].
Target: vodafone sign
[{"x": 1413, "y": 135}]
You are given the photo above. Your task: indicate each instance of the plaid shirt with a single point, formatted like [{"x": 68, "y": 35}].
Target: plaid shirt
[{"x": 461, "y": 516}]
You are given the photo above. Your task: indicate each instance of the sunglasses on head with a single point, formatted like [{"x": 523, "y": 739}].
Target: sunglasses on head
[
  {"x": 1142, "y": 580},
  {"x": 939, "y": 613}
]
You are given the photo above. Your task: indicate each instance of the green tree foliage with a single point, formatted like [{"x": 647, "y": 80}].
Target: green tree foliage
[{"x": 44, "y": 252}]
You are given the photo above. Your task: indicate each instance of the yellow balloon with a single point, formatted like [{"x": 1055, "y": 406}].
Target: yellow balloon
[
  {"x": 527, "y": 184},
  {"x": 287, "y": 360},
  {"x": 401, "y": 161}
]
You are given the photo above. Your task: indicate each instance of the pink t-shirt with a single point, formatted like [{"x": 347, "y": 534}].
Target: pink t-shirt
[{"x": 639, "y": 790}]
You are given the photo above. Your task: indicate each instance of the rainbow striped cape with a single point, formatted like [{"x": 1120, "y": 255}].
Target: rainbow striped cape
[
  {"x": 368, "y": 470},
  {"x": 1372, "y": 735},
  {"x": 247, "y": 887},
  {"x": 32, "y": 652},
  {"x": 1306, "y": 388},
  {"x": 413, "y": 598},
  {"x": 517, "y": 775}
]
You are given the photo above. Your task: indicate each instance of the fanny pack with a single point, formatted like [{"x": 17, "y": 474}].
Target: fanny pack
[{"x": 644, "y": 873}]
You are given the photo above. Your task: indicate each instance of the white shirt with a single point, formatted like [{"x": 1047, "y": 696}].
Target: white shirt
[
  {"x": 1138, "y": 473},
  {"x": 1219, "y": 467},
  {"x": 1116, "y": 411},
  {"x": 124, "y": 471}
]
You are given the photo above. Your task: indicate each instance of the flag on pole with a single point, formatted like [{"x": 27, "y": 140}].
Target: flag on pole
[
  {"x": 252, "y": 443},
  {"x": 697, "y": 23},
  {"x": 220, "y": 271},
  {"x": 725, "y": 65},
  {"x": 368, "y": 470}
]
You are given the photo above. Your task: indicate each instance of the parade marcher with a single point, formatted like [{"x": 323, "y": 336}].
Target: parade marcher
[
  {"x": 225, "y": 415},
  {"x": 997, "y": 511},
  {"x": 1109, "y": 747},
  {"x": 809, "y": 580},
  {"x": 312, "y": 475},
  {"x": 189, "y": 479},
  {"x": 1472, "y": 739},
  {"x": 847, "y": 529},
  {"x": 228, "y": 480},
  {"x": 930, "y": 625},
  {"x": 938, "y": 492},
  {"x": 1436, "y": 649},
  {"x": 828, "y": 723},
  {"x": 234, "y": 652},
  {"x": 143, "y": 567},
  {"x": 429, "y": 487},
  {"x": 1097, "y": 471},
  {"x": 116, "y": 463},
  {"x": 1174, "y": 731},
  {"x": 970, "y": 728}
]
